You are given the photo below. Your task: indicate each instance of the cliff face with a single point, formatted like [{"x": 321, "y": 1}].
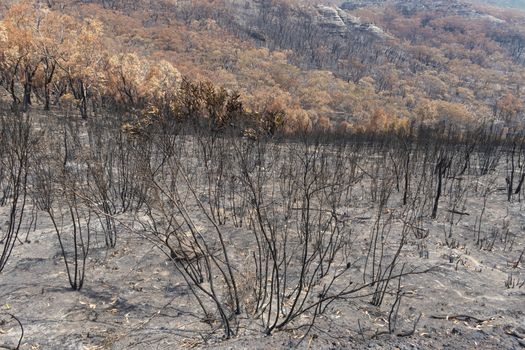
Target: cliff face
[
  {"x": 254, "y": 16},
  {"x": 338, "y": 21},
  {"x": 519, "y": 4},
  {"x": 328, "y": 17},
  {"x": 446, "y": 7}
]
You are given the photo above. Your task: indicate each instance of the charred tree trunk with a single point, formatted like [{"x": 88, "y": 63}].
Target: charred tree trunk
[
  {"x": 510, "y": 177},
  {"x": 441, "y": 169},
  {"x": 50, "y": 71}
]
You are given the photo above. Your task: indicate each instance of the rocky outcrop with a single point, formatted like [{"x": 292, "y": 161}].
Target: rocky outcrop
[
  {"x": 356, "y": 4},
  {"x": 410, "y": 7},
  {"x": 338, "y": 21},
  {"x": 330, "y": 19}
]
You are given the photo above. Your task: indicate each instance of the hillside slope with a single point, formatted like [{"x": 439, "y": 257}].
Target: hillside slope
[
  {"x": 364, "y": 65},
  {"x": 520, "y": 4}
]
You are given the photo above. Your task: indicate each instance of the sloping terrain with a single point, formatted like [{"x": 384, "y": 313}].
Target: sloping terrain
[
  {"x": 371, "y": 264},
  {"x": 340, "y": 67},
  {"x": 520, "y": 4},
  {"x": 261, "y": 174}
]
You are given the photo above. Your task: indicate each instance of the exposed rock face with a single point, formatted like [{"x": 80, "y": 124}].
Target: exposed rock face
[
  {"x": 491, "y": 18},
  {"x": 520, "y": 4},
  {"x": 356, "y": 4},
  {"x": 337, "y": 21},
  {"x": 410, "y": 7},
  {"x": 329, "y": 18},
  {"x": 446, "y": 6},
  {"x": 262, "y": 20}
]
